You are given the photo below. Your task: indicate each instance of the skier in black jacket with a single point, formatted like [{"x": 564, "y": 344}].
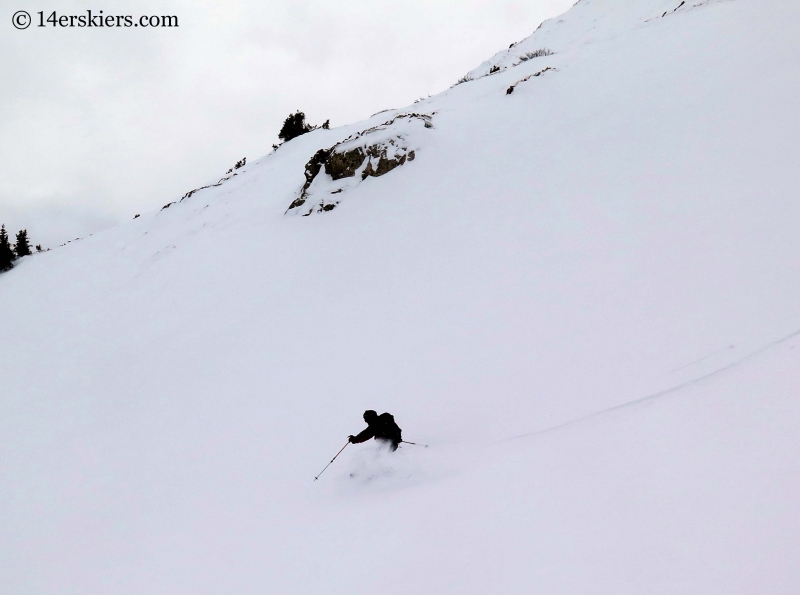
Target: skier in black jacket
[{"x": 381, "y": 427}]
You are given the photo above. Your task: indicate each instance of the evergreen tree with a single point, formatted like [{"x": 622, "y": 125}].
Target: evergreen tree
[
  {"x": 6, "y": 254},
  {"x": 23, "y": 246},
  {"x": 293, "y": 126}
]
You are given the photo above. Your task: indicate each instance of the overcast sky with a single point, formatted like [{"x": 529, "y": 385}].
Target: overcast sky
[{"x": 97, "y": 124}]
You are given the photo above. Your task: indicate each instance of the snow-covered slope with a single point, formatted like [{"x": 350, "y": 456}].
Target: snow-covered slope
[{"x": 583, "y": 294}]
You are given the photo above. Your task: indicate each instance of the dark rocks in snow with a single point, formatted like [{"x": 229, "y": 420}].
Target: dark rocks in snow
[
  {"x": 239, "y": 164},
  {"x": 510, "y": 90},
  {"x": 383, "y": 111},
  {"x": 297, "y": 202},
  {"x": 344, "y": 165},
  {"x": 385, "y": 163},
  {"x": 343, "y": 160},
  {"x": 189, "y": 194},
  {"x": 313, "y": 167},
  {"x": 315, "y": 164}
]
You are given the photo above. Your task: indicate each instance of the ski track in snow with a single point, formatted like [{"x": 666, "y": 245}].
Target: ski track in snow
[
  {"x": 702, "y": 359},
  {"x": 662, "y": 393}
]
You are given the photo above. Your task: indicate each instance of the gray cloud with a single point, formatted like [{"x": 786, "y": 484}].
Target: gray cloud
[{"x": 98, "y": 124}]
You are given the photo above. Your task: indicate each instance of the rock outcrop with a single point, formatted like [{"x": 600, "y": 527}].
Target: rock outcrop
[{"x": 370, "y": 153}]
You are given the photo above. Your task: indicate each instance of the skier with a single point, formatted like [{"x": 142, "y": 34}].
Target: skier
[{"x": 381, "y": 427}]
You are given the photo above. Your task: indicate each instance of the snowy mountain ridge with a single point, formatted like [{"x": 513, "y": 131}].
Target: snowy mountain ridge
[
  {"x": 582, "y": 294},
  {"x": 589, "y": 21}
]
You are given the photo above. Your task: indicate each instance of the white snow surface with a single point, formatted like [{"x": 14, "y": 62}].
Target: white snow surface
[{"x": 583, "y": 295}]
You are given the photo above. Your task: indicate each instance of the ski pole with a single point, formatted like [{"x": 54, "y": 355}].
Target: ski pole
[
  {"x": 332, "y": 460},
  {"x": 414, "y": 443}
]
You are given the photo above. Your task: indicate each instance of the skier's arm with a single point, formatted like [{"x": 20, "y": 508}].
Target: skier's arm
[{"x": 363, "y": 436}]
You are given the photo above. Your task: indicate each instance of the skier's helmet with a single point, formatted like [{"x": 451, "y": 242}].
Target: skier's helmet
[{"x": 370, "y": 415}]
